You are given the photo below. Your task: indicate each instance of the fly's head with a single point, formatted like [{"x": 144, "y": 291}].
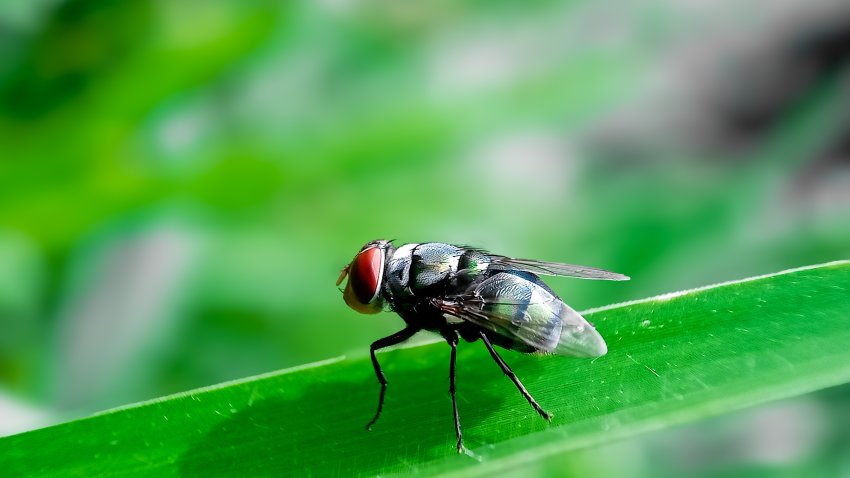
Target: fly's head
[{"x": 365, "y": 277}]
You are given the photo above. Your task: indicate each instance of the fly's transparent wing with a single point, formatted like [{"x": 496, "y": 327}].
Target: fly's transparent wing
[
  {"x": 553, "y": 268},
  {"x": 519, "y": 307}
]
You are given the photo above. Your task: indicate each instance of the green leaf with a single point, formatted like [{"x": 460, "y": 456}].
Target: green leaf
[{"x": 673, "y": 359}]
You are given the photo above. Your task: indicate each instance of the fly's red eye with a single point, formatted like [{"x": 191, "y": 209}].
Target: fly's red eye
[{"x": 366, "y": 273}]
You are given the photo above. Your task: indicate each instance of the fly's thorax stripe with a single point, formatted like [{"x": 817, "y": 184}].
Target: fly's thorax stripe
[
  {"x": 398, "y": 270},
  {"x": 404, "y": 252},
  {"x": 403, "y": 257}
]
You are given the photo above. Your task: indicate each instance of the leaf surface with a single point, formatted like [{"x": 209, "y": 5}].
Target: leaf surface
[{"x": 672, "y": 359}]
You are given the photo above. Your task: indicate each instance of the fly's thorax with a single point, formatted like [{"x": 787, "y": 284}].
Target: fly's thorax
[
  {"x": 432, "y": 263},
  {"x": 366, "y": 275},
  {"x": 417, "y": 269},
  {"x": 414, "y": 267}
]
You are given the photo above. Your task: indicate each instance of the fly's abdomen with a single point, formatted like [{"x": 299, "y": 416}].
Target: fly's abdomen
[
  {"x": 518, "y": 304},
  {"x": 524, "y": 306}
]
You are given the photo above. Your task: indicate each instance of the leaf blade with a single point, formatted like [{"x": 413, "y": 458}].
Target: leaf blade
[{"x": 673, "y": 359}]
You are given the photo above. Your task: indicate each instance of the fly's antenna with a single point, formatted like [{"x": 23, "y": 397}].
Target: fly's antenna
[{"x": 342, "y": 275}]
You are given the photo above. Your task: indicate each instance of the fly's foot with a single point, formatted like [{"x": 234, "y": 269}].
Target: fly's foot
[
  {"x": 380, "y": 405},
  {"x": 543, "y": 413},
  {"x": 372, "y": 421}
]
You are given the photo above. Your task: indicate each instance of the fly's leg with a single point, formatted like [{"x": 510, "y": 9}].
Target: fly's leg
[
  {"x": 379, "y": 344},
  {"x": 452, "y": 340},
  {"x": 511, "y": 375}
]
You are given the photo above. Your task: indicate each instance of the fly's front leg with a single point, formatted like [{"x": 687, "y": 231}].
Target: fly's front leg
[
  {"x": 511, "y": 375},
  {"x": 452, "y": 339},
  {"x": 379, "y": 344}
]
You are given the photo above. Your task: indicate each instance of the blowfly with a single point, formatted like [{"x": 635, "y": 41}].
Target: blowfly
[{"x": 470, "y": 294}]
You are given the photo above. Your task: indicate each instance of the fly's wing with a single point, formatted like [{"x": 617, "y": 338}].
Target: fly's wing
[
  {"x": 519, "y": 307},
  {"x": 552, "y": 268}
]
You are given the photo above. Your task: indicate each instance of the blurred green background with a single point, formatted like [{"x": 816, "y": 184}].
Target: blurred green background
[{"x": 182, "y": 180}]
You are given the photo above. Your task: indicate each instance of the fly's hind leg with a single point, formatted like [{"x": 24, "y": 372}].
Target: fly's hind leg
[
  {"x": 511, "y": 375},
  {"x": 379, "y": 344}
]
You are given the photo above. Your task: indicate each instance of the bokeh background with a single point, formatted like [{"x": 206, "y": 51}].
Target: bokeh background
[{"x": 182, "y": 180}]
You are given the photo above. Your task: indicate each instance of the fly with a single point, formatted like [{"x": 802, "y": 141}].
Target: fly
[{"x": 470, "y": 294}]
